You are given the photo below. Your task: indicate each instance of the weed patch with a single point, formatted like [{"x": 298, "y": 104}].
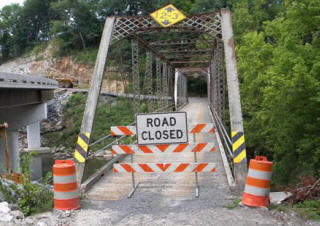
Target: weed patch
[
  {"x": 233, "y": 204},
  {"x": 29, "y": 196}
]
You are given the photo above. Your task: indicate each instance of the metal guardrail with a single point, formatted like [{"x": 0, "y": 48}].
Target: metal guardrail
[
  {"x": 116, "y": 140},
  {"x": 223, "y": 133}
]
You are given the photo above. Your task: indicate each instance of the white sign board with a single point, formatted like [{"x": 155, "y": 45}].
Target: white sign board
[{"x": 162, "y": 128}]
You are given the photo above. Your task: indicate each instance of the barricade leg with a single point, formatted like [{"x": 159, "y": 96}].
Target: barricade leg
[
  {"x": 196, "y": 174},
  {"x": 134, "y": 186}
]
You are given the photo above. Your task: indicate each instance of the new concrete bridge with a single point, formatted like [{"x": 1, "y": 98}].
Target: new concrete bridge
[{"x": 23, "y": 101}]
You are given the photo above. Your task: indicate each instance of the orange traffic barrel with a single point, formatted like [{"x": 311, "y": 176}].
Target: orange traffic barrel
[
  {"x": 66, "y": 195},
  {"x": 257, "y": 189}
]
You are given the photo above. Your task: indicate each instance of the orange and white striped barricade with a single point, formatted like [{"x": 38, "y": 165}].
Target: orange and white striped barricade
[
  {"x": 162, "y": 148},
  {"x": 176, "y": 167},
  {"x": 131, "y": 130},
  {"x": 66, "y": 195},
  {"x": 257, "y": 189}
]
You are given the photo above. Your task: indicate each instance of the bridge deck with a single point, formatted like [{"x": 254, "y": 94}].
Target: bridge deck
[{"x": 168, "y": 188}]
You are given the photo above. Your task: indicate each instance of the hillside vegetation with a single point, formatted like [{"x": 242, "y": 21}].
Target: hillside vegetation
[{"x": 278, "y": 53}]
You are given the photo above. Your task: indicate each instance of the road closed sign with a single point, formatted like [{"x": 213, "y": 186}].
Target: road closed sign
[{"x": 162, "y": 128}]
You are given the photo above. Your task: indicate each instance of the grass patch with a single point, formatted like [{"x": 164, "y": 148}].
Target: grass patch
[
  {"x": 309, "y": 209},
  {"x": 233, "y": 204}
]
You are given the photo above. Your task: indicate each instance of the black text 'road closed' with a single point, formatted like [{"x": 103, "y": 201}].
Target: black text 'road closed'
[{"x": 162, "y": 128}]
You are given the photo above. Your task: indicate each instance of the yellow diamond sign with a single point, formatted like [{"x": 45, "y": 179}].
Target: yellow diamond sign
[{"x": 167, "y": 16}]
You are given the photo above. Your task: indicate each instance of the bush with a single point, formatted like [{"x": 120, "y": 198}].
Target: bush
[{"x": 31, "y": 197}]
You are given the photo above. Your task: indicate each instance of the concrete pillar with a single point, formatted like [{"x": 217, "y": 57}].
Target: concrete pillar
[
  {"x": 34, "y": 144},
  {"x": 94, "y": 92},
  {"x": 33, "y": 134},
  {"x": 237, "y": 132}
]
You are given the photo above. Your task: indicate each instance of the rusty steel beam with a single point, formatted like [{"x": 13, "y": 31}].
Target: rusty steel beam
[
  {"x": 135, "y": 74},
  {"x": 185, "y": 50},
  {"x": 147, "y": 46},
  {"x": 181, "y": 42},
  {"x": 189, "y": 62},
  {"x": 203, "y": 70}
]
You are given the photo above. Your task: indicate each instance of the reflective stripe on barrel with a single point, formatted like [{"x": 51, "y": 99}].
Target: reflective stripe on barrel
[{"x": 66, "y": 195}]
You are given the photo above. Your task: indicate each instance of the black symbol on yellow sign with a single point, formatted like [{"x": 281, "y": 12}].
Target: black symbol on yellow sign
[
  {"x": 167, "y": 16},
  {"x": 169, "y": 9}
]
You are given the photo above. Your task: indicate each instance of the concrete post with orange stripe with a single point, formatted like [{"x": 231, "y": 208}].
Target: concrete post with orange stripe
[
  {"x": 257, "y": 189},
  {"x": 66, "y": 195}
]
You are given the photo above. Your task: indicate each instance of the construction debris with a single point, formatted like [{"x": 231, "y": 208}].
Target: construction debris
[{"x": 307, "y": 189}]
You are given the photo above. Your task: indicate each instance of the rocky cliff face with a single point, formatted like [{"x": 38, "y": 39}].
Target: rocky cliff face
[{"x": 45, "y": 64}]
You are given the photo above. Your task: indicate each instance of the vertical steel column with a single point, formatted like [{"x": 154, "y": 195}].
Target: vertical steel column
[
  {"x": 164, "y": 83},
  {"x": 81, "y": 151},
  {"x": 214, "y": 82},
  {"x": 186, "y": 89},
  {"x": 237, "y": 132},
  {"x": 222, "y": 81},
  {"x": 181, "y": 89},
  {"x": 176, "y": 91},
  {"x": 169, "y": 77},
  {"x": 149, "y": 80},
  {"x": 135, "y": 74},
  {"x": 208, "y": 84},
  {"x": 216, "y": 79},
  {"x": 158, "y": 80}
]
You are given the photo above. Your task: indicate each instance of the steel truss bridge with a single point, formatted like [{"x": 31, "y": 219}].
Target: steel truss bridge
[{"x": 200, "y": 43}]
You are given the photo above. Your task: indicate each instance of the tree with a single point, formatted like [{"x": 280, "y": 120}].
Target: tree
[
  {"x": 9, "y": 20},
  {"x": 280, "y": 86},
  {"x": 77, "y": 26}
]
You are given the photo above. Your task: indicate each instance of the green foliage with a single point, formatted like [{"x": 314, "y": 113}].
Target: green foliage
[
  {"x": 279, "y": 74},
  {"x": 118, "y": 111},
  {"x": 34, "y": 198},
  {"x": 197, "y": 86},
  {"x": 234, "y": 204},
  {"x": 76, "y": 26},
  {"x": 31, "y": 197},
  {"x": 23, "y": 27},
  {"x": 309, "y": 209},
  {"x": 86, "y": 56}
]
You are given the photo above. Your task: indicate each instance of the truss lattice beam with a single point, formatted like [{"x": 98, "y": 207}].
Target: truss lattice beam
[
  {"x": 209, "y": 23},
  {"x": 185, "y": 50},
  {"x": 175, "y": 42}
]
